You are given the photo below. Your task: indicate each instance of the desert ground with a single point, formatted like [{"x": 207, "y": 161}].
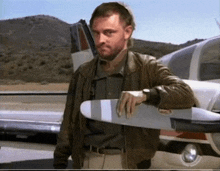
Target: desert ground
[{"x": 35, "y": 87}]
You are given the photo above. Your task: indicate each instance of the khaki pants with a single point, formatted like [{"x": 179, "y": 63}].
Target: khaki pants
[{"x": 95, "y": 160}]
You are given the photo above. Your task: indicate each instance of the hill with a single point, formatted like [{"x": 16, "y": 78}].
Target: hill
[{"x": 37, "y": 49}]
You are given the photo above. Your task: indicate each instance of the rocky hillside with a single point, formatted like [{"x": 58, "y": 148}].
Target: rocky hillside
[{"x": 37, "y": 49}]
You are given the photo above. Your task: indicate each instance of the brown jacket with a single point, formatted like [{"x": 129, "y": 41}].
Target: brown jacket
[{"x": 141, "y": 71}]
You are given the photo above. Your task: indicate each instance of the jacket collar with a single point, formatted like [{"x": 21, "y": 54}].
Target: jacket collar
[{"x": 131, "y": 63}]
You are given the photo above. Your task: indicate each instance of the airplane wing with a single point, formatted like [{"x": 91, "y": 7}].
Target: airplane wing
[
  {"x": 31, "y": 112},
  {"x": 148, "y": 116}
]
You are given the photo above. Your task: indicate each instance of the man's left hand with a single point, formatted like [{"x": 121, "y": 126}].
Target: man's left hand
[{"x": 128, "y": 101}]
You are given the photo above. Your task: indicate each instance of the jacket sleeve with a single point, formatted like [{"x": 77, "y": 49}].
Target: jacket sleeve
[
  {"x": 173, "y": 92},
  {"x": 64, "y": 140}
]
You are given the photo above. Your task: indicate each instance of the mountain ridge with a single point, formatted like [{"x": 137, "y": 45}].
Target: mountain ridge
[{"x": 37, "y": 49}]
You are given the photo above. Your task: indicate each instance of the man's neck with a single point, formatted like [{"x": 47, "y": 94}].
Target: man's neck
[{"x": 110, "y": 66}]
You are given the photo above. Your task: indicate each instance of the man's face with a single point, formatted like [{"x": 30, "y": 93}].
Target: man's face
[{"x": 110, "y": 36}]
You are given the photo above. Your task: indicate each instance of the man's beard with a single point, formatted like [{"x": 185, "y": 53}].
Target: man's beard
[{"x": 111, "y": 56}]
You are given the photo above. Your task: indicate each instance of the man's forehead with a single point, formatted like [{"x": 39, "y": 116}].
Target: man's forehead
[{"x": 113, "y": 19}]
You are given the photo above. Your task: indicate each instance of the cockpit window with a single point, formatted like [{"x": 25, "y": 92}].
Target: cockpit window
[
  {"x": 180, "y": 63},
  {"x": 210, "y": 61}
]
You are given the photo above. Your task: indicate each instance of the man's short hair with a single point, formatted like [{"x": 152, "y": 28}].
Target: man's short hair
[{"x": 110, "y": 8}]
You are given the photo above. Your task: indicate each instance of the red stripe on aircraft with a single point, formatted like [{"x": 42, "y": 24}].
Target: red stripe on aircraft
[{"x": 186, "y": 135}]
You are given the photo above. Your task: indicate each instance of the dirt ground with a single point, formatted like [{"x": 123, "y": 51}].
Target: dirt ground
[{"x": 35, "y": 87}]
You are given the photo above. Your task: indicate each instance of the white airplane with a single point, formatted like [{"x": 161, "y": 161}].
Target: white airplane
[{"x": 198, "y": 65}]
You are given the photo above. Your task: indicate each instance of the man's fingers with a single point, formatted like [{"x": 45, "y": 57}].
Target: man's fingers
[
  {"x": 127, "y": 103},
  {"x": 128, "y": 107},
  {"x": 121, "y": 104},
  {"x": 133, "y": 104}
]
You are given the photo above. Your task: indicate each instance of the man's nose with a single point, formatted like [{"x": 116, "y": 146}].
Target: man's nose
[{"x": 101, "y": 39}]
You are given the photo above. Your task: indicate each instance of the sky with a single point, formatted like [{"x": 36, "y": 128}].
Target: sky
[{"x": 169, "y": 21}]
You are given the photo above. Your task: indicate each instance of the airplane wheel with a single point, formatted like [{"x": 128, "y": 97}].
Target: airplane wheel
[{"x": 214, "y": 139}]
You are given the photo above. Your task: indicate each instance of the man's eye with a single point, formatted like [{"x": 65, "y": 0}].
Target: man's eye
[
  {"x": 109, "y": 33},
  {"x": 94, "y": 33}
]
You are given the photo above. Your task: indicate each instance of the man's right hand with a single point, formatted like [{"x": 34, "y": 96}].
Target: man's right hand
[{"x": 127, "y": 102}]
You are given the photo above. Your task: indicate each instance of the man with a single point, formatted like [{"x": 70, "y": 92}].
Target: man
[{"x": 116, "y": 73}]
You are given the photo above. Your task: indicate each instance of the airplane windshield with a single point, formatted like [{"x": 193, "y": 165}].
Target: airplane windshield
[
  {"x": 210, "y": 63},
  {"x": 180, "y": 63}
]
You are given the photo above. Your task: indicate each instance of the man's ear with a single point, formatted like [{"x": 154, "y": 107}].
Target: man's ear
[{"x": 128, "y": 32}]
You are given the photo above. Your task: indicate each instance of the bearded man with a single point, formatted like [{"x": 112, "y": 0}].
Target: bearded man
[{"x": 117, "y": 73}]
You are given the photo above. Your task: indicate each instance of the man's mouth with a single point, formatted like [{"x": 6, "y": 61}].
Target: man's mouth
[{"x": 103, "y": 49}]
